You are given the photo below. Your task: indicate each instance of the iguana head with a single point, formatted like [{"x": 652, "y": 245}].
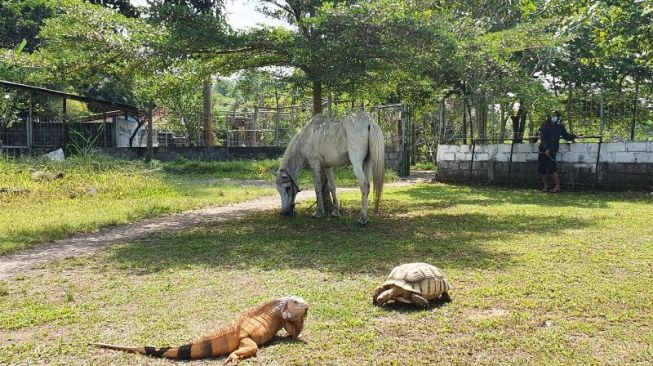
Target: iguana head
[{"x": 294, "y": 309}]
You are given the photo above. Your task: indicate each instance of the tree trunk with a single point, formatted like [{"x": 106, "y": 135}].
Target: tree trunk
[
  {"x": 277, "y": 117},
  {"x": 569, "y": 108},
  {"x": 634, "y": 123},
  {"x": 443, "y": 124},
  {"x": 519, "y": 123},
  {"x": 254, "y": 127},
  {"x": 317, "y": 97},
  {"x": 502, "y": 128},
  {"x": 468, "y": 108},
  {"x": 207, "y": 112},
  {"x": 481, "y": 117},
  {"x": 150, "y": 141},
  {"x": 464, "y": 120}
]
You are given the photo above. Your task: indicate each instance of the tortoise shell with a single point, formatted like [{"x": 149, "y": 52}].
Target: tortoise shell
[{"x": 421, "y": 278}]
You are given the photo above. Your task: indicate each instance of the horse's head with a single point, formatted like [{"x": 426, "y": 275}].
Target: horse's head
[{"x": 288, "y": 189}]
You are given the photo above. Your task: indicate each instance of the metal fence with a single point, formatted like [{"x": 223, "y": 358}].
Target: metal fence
[{"x": 34, "y": 119}]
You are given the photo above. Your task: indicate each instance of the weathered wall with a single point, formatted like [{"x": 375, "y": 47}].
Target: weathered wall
[
  {"x": 393, "y": 159},
  {"x": 620, "y": 164}
]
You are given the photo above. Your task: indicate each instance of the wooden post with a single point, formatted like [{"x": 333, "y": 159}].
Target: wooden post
[
  {"x": 602, "y": 115},
  {"x": 64, "y": 120},
  {"x": 28, "y": 127},
  {"x": 150, "y": 149},
  {"x": 442, "y": 120},
  {"x": 104, "y": 129}
]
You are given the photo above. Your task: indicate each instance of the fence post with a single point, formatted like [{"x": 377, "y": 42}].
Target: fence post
[
  {"x": 28, "y": 126},
  {"x": 602, "y": 115},
  {"x": 277, "y": 117},
  {"x": 596, "y": 167},
  {"x": 65, "y": 122},
  {"x": 150, "y": 150},
  {"x": 471, "y": 163},
  {"x": 512, "y": 148},
  {"x": 632, "y": 127}
]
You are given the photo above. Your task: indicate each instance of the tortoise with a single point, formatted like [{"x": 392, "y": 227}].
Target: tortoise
[{"x": 415, "y": 283}]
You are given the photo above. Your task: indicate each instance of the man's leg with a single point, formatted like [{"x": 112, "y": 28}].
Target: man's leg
[
  {"x": 556, "y": 180},
  {"x": 545, "y": 181}
]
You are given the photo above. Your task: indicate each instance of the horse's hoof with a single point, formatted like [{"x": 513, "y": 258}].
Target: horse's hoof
[
  {"x": 335, "y": 213},
  {"x": 317, "y": 215},
  {"x": 363, "y": 222}
]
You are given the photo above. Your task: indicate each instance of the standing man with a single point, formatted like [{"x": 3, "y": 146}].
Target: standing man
[{"x": 550, "y": 133}]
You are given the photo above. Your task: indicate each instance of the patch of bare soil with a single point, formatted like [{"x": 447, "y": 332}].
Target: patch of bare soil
[{"x": 490, "y": 313}]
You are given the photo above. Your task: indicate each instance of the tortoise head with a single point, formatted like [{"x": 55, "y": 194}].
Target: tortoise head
[{"x": 391, "y": 293}]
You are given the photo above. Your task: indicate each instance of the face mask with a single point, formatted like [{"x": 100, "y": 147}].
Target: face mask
[{"x": 554, "y": 120}]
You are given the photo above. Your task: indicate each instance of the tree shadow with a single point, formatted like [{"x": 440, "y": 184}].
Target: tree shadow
[
  {"x": 453, "y": 195},
  {"x": 267, "y": 242}
]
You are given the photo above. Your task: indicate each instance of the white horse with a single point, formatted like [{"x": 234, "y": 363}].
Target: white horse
[{"x": 328, "y": 143}]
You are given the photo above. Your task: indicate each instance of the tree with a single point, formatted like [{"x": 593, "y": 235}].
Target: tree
[
  {"x": 123, "y": 6},
  {"x": 195, "y": 21},
  {"x": 21, "y": 20},
  {"x": 336, "y": 44}
]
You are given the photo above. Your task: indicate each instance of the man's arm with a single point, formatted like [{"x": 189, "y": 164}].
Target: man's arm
[{"x": 566, "y": 135}]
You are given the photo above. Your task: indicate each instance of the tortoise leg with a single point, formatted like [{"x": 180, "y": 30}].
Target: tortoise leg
[
  {"x": 445, "y": 297},
  {"x": 419, "y": 300}
]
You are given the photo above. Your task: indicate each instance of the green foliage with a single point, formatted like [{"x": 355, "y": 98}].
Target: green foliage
[
  {"x": 21, "y": 19},
  {"x": 123, "y": 6}
]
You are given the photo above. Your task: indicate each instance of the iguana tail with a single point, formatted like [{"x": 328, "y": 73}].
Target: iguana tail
[{"x": 204, "y": 348}]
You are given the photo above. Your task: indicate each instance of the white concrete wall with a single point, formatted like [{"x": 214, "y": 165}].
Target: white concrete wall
[
  {"x": 125, "y": 128},
  {"x": 581, "y": 154}
]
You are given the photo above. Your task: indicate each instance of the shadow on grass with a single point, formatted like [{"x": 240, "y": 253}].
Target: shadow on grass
[
  {"x": 267, "y": 242},
  {"x": 400, "y": 307},
  {"x": 452, "y": 195}
]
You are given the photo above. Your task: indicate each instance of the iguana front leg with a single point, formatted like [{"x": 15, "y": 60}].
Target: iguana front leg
[
  {"x": 246, "y": 348},
  {"x": 294, "y": 329}
]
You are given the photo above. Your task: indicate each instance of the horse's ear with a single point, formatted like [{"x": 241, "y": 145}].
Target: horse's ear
[{"x": 274, "y": 172}]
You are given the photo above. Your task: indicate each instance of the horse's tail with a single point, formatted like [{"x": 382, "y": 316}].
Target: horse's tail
[{"x": 376, "y": 154}]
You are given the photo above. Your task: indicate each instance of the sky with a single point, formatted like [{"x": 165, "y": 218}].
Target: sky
[{"x": 241, "y": 14}]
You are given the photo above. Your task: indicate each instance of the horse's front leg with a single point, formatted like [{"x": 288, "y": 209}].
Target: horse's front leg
[
  {"x": 365, "y": 190},
  {"x": 317, "y": 180},
  {"x": 331, "y": 184}
]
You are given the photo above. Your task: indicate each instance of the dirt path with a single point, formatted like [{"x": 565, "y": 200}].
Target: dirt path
[{"x": 88, "y": 243}]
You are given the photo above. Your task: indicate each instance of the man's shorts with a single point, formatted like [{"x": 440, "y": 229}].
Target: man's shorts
[{"x": 546, "y": 166}]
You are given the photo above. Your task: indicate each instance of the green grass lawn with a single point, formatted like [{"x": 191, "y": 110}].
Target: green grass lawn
[
  {"x": 536, "y": 279},
  {"x": 37, "y": 204}
]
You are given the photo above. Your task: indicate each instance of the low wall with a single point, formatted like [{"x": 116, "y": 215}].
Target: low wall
[
  {"x": 621, "y": 165},
  {"x": 393, "y": 159}
]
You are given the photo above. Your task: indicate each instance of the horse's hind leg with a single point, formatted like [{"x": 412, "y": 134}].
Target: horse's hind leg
[
  {"x": 331, "y": 185},
  {"x": 365, "y": 190}
]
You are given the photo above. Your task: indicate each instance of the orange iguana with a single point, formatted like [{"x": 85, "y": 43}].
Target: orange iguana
[{"x": 254, "y": 328}]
